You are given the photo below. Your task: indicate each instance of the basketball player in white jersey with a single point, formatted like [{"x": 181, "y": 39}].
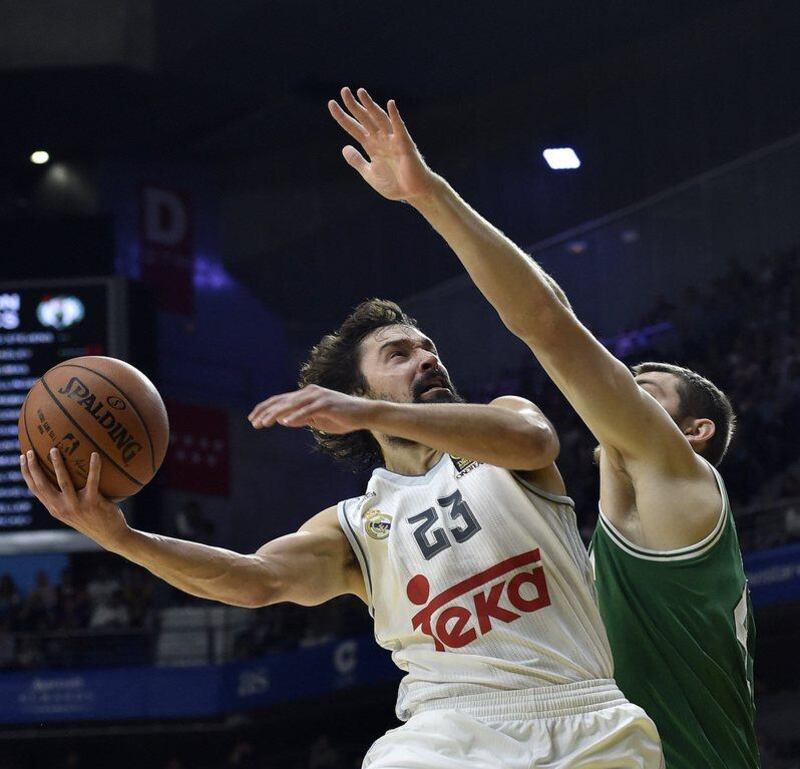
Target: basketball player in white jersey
[{"x": 464, "y": 547}]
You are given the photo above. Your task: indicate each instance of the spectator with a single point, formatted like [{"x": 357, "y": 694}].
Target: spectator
[
  {"x": 72, "y": 610},
  {"x": 8, "y": 652},
  {"x": 102, "y": 587},
  {"x": 242, "y": 756},
  {"x": 110, "y": 613},
  {"x": 10, "y": 602}
]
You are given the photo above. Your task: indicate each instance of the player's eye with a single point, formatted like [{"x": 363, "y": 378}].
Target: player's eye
[{"x": 397, "y": 352}]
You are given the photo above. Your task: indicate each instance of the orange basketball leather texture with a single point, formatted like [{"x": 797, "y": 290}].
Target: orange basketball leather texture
[{"x": 97, "y": 404}]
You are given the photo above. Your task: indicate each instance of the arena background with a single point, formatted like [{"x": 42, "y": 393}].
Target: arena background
[{"x": 192, "y": 158}]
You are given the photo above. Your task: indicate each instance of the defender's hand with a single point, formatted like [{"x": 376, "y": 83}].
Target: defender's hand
[
  {"x": 86, "y": 510},
  {"x": 326, "y": 410},
  {"x": 395, "y": 168}
]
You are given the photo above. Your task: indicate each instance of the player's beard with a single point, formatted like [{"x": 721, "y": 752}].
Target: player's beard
[{"x": 447, "y": 394}]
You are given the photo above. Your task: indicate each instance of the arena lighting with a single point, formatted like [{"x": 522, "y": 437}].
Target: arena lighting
[
  {"x": 560, "y": 158},
  {"x": 40, "y": 157}
]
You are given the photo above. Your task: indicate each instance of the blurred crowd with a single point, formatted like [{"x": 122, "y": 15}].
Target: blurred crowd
[
  {"x": 106, "y": 612},
  {"x": 94, "y": 614}
]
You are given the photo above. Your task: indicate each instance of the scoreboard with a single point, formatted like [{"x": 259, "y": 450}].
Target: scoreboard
[{"x": 43, "y": 323}]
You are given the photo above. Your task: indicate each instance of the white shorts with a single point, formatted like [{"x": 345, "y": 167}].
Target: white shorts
[{"x": 586, "y": 725}]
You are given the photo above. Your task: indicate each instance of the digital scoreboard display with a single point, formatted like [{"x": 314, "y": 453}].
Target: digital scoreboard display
[{"x": 41, "y": 325}]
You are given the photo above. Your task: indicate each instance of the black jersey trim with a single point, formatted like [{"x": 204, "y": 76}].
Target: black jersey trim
[{"x": 560, "y": 498}]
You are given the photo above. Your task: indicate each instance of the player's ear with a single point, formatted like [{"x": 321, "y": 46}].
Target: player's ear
[{"x": 699, "y": 431}]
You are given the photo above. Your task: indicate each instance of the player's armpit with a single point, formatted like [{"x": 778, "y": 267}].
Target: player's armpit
[{"x": 312, "y": 565}]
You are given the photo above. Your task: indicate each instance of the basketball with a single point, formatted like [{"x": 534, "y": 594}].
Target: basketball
[{"x": 101, "y": 404}]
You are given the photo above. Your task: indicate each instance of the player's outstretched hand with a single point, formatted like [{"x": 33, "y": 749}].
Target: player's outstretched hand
[
  {"x": 86, "y": 510},
  {"x": 395, "y": 167},
  {"x": 313, "y": 406}
]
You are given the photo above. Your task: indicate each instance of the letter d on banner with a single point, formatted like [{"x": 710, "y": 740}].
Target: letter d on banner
[
  {"x": 165, "y": 219},
  {"x": 166, "y": 248}
]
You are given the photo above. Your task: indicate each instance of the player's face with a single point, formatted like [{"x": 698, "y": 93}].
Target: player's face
[
  {"x": 402, "y": 365},
  {"x": 663, "y": 386}
]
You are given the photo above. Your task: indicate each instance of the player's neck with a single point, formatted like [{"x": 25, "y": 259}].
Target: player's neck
[{"x": 412, "y": 459}]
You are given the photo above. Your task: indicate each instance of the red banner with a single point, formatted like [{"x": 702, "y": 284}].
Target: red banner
[{"x": 197, "y": 460}]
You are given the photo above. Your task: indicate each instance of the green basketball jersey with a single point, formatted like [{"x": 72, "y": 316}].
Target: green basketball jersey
[{"x": 681, "y": 629}]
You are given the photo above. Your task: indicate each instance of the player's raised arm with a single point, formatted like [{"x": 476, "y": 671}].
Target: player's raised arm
[
  {"x": 510, "y": 432},
  {"x": 307, "y": 567},
  {"x": 530, "y": 304}
]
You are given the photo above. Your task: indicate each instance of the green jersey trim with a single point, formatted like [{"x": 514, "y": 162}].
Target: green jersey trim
[{"x": 681, "y": 553}]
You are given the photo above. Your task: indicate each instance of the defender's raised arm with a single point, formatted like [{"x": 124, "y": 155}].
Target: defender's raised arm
[{"x": 529, "y": 302}]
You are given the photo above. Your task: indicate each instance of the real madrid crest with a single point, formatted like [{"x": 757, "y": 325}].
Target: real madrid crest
[{"x": 377, "y": 524}]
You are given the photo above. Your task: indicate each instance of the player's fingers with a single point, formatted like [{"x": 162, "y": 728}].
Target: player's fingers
[
  {"x": 26, "y": 474},
  {"x": 378, "y": 116},
  {"x": 265, "y": 404},
  {"x": 269, "y": 416},
  {"x": 353, "y": 127},
  {"x": 301, "y": 416},
  {"x": 44, "y": 489},
  {"x": 258, "y": 407},
  {"x": 64, "y": 481},
  {"x": 275, "y": 403},
  {"x": 398, "y": 125},
  {"x": 359, "y": 112},
  {"x": 259, "y": 412},
  {"x": 93, "y": 479},
  {"x": 280, "y": 414},
  {"x": 355, "y": 159}
]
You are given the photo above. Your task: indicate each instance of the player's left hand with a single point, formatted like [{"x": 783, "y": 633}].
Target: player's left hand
[
  {"x": 395, "y": 167},
  {"x": 326, "y": 410},
  {"x": 86, "y": 510}
]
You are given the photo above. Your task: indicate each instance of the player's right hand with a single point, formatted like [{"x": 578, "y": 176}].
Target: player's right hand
[
  {"x": 85, "y": 510},
  {"x": 395, "y": 167}
]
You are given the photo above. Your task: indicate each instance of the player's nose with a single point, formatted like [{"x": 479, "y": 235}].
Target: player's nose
[{"x": 427, "y": 360}]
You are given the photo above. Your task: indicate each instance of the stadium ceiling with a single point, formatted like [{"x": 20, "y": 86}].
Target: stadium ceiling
[
  {"x": 239, "y": 89},
  {"x": 208, "y": 79}
]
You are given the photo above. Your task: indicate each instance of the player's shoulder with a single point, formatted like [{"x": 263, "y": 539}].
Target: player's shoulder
[
  {"x": 326, "y": 519},
  {"x": 674, "y": 513},
  {"x": 352, "y": 510}
]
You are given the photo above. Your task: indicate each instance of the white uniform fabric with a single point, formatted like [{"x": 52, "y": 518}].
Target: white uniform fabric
[
  {"x": 478, "y": 583},
  {"x": 573, "y": 726}
]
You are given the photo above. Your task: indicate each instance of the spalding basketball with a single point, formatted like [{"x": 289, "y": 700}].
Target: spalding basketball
[{"x": 97, "y": 404}]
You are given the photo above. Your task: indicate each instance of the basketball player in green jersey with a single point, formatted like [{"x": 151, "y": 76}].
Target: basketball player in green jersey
[{"x": 668, "y": 568}]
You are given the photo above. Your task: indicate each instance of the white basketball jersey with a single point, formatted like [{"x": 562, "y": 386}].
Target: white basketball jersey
[{"x": 477, "y": 582}]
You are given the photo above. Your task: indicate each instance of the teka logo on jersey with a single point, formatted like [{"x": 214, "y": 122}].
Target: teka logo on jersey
[
  {"x": 77, "y": 391},
  {"x": 453, "y": 625}
]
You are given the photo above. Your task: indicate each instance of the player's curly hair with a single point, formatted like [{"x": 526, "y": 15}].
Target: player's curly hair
[{"x": 335, "y": 363}]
